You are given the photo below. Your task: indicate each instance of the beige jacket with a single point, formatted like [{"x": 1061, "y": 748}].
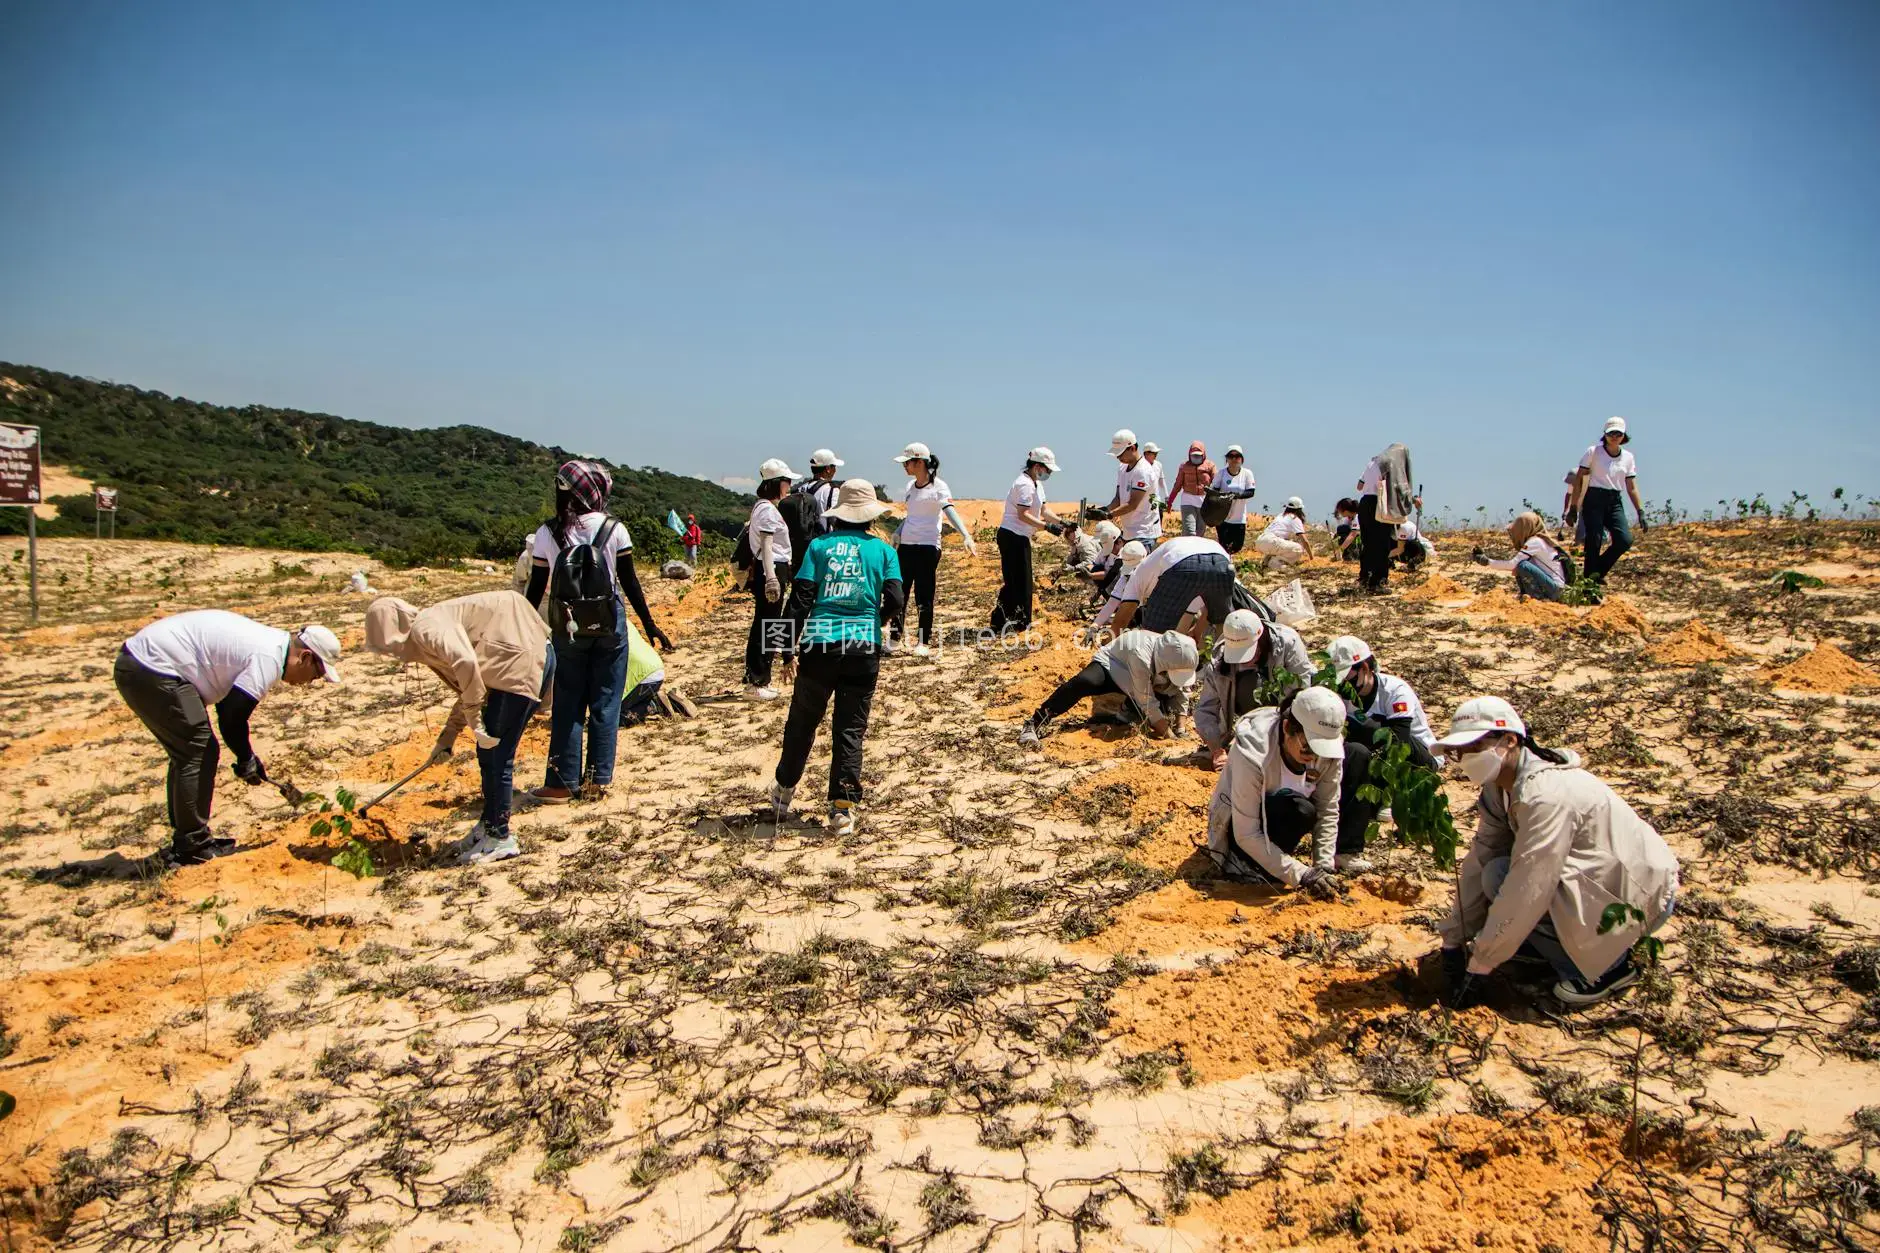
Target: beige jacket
[
  {"x": 1238, "y": 809},
  {"x": 1574, "y": 847},
  {"x": 492, "y": 641}
]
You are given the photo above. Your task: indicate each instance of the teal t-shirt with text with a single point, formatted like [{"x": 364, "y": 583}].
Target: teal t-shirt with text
[{"x": 847, "y": 569}]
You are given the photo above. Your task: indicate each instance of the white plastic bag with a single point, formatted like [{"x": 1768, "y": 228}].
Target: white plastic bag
[{"x": 1292, "y": 604}]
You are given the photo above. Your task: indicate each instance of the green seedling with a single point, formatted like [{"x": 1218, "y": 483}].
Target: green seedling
[
  {"x": 336, "y": 815},
  {"x": 204, "y": 909},
  {"x": 1794, "y": 581}
]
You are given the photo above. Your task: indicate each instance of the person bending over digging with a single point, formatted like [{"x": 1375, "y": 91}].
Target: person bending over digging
[
  {"x": 1384, "y": 700},
  {"x": 494, "y": 651},
  {"x": 170, "y": 672},
  {"x": 1189, "y": 574},
  {"x": 1285, "y": 770},
  {"x": 1254, "y": 664},
  {"x": 1554, "y": 851},
  {"x": 1152, "y": 671},
  {"x": 845, "y": 594}
]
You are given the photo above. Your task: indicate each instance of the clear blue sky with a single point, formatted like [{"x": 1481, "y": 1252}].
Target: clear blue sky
[{"x": 697, "y": 235}]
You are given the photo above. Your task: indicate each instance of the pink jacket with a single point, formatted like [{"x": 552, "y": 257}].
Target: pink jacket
[{"x": 1191, "y": 478}]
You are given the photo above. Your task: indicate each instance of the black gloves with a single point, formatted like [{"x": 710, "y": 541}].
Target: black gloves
[
  {"x": 658, "y": 637},
  {"x": 1571, "y": 516},
  {"x": 1478, "y": 556},
  {"x": 250, "y": 771},
  {"x": 1319, "y": 884},
  {"x": 1459, "y": 986}
]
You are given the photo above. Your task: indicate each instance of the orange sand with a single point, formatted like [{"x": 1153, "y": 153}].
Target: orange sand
[
  {"x": 1694, "y": 643},
  {"x": 1159, "y": 794},
  {"x": 1186, "y": 917},
  {"x": 1618, "y": 616},
  {"x": 1440, "y": 1185},
  {"x": 1439, "y": 587},
  {"x": 1825, "y": 669}
]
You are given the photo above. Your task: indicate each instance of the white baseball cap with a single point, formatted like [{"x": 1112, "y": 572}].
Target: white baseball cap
[
  {"x": 1043, "y": 457},
  {"x": 823, "y": 457},
  {"x": 1241, "y": 635},
  {"x": 776, "y": 469},
  {"x": 1293, "y": 502},
  {"x": 913, "y": 452},
  {"x": 1182, "y": 678},
  {"x": 1107, "y": 532},
  {"x": 1479, "y": 716},
  {"x": 323, "y": 644},
  {"x": 1121, "y": 441},
  {"x": 1235, "y": 450},
  {"x": 1320, "y": 712},
  {"x": 1151, "y": 446},
  {"x": 1133, "y": 553},
  {"x": 1616, "y": 424},
  {"x": 1347, "y": 653}
]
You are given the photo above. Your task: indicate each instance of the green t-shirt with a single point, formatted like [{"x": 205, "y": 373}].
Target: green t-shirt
[{"x": 847, "y": 569}]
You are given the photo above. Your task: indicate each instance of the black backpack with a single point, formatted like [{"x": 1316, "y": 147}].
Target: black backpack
[
  {"x": 1567, "y": 568},
  {"x": 803, "y": 519},
  {"x": 581, "y": 589}
]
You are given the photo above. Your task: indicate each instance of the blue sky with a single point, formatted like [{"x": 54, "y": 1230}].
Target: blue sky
[{"x": 699, "y": 235}]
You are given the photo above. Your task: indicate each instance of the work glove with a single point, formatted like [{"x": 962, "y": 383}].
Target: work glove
[
  {"x": 1320, "y": 884},
  {"x": 1157, "y": 730},
  {"x": 659, "y": 638},
  {"x": 1459, "y": 986},
  {"x": 1571, "y": 517},
  {"x": 1479, "y": 557},
  {"x": 773, "y": 590},
  {"x": 1643, "y": 525},
  {"x": 250, "y": 771},
  {"x": 485, "y": 739}
]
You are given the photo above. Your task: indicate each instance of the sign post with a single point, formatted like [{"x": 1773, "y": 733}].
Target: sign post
[
  {"x": 104, "y": 500},
  {"x": 19, "y": 485}
]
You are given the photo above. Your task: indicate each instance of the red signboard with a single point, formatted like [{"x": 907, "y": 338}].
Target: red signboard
[{"x": 19, "y": 464}]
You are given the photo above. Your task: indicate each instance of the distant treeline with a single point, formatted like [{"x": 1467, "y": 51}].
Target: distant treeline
[{"x": 281, "y": 478}]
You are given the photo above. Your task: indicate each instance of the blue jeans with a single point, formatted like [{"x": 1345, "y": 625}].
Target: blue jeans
[
  {"x": 1603, "y": 513},
  {"x": 590, "y": 675},
  {"x": 1534, "y": 580},
  {"x": 505, "y": 714}
]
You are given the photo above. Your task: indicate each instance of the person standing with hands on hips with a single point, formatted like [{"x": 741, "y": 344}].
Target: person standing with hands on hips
[
  {"x": 928, "y": 501},
  {"x": 846, "y": 591},
  {"x": 1606, "y": 470},
  {"x": 170, "y": 672}
]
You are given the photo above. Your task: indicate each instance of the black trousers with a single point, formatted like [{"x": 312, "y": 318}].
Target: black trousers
[
  {"x": 1087, "y": 684},
  {"x": 848, "y": 678},
  {"x": 1378, "y": 539},
  {"x": 765, "y": 641},
  {"x": 174, "y": 712},
  {"x": 1233, "y": 535},
  {"x": 1290, "y": 816},
  {"x": 920, "y": 566},
  {"x": 1014, "y": 607}
]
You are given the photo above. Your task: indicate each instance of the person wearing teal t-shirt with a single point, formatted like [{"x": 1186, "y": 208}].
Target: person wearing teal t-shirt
[{"x": 845, "y": 592}]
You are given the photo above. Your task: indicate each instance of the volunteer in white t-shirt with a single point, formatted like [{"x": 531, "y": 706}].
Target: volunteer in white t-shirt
[
  {"x": 1383, "y": 699},
  {"x": 591, "y": 668},
  {"x": 928, "y": 504},
  {"x": 1152, "y": 453},
  {"x": 170, "y": 672},
  {"x": 1135, "y": 506},
  {"x": 770, "y": 575},
  {"x": 1412, "y": 547},
  {"x": 1606, "y": 470},
  {"x": 1539, "y": 564},
  {"x": 1025, "y": 514},
  {"x": 1284, "y": 541},
  {"x": 1235, "y": 478},
  {"x": 1188, "y": 574}
]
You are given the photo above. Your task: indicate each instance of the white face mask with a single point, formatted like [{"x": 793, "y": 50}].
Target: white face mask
[
  {"x": 1182, "y": 678},
  {"x": 1196, "y": 458},
  {"x": 1483, "y": 766}
]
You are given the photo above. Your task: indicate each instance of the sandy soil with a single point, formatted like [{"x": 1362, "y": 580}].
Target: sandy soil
[{"x": 1015, "y": 1010}]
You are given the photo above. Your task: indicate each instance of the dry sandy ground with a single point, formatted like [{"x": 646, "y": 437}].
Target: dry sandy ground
[{"x": 1015, "y": 1010}]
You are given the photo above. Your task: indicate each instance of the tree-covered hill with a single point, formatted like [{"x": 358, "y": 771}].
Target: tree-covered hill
[{"x": 281, "y": 478}]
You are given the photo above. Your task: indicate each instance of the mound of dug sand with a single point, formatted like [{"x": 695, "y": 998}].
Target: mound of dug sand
[
  {"x": 1438, "y": 587},
  {"x": 1824, "y": 669},
  {"x": 1187, "y": 917},
  {"x": 1694, "y": 643},
  {"x": 1453, "y": 1183},
  {"x": 1617, "y": 616}
]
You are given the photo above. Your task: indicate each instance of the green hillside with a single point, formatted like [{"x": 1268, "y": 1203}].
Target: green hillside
[{"x": 281, "y": 478}]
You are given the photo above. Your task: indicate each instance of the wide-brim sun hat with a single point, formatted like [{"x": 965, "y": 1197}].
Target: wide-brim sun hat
[
  {"x": 855, "y": 502},
  {"x": 1241, "y": 635},
  {"x": 914, "y": 452},
  {"x": 1479, "y": 716},
  {"x": 1044, "y": 457},
  {"x": 776, "y": 468},
  {"x": 323, "y": 644}
]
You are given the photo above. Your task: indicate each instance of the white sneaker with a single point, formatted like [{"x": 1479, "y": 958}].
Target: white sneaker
[
  {"x": 487, "y": 849},
  {"x": 1028, "y": 736},
  {"x": 780, "y": 797},
  {"x": 921, "y": 650},
  {"x": 841, "y": 819},
  {"x": 467, "y": 840},
  {"x": 1352, "y": 863},
  {"x": 754, "y": 692}
]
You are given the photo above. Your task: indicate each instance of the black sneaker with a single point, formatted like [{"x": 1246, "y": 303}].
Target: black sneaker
[
  {"x": 1578, "y": 993},
  {"x": 197, "y": 854}
]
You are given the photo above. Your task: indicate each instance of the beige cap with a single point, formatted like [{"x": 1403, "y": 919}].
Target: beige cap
[
  {"x": 1043, "y": 457},
  {"x": 323, "y": 644},
  {"x": 1616, "y": 424},
  {"x": 1241, "y": 635},
  {"x": 1121, "y": 441},
  {"x": 1321, "y": 713},
  {"x": 855, "y": 502},
  {"x": 1479, "y": 716},
  {"x": 913, "y": 452},
  {"x": 1347, "y": 653},
  {"x": 823, "y": 458},
  {"x": 1133, "y": 553},
  {"x": 776, "y": 468}
]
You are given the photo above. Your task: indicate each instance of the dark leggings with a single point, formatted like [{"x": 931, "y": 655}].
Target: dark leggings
[
  {"x": 1378, "y": 539},
  {"x": 769, "y": 628},
  {"x": 1087, "y": 684},
  {"x": 920, "y": 564},
  {"x": 1014, "y": 607}
]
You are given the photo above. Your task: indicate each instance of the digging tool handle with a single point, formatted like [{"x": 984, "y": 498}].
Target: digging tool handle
[{"x": 426, "y": 765}]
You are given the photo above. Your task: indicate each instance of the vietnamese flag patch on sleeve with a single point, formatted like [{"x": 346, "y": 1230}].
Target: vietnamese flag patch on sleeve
[{"x": 1401, "y": 707}]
